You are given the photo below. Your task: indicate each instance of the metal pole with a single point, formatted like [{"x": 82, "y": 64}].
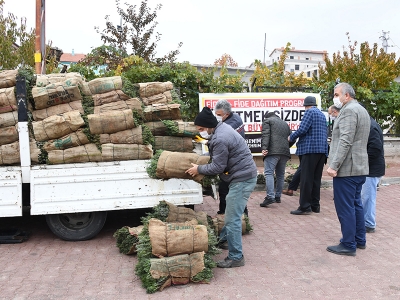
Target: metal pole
[
  {"x": 40, "y": 38},
  {"x": 265, "y": 40}
]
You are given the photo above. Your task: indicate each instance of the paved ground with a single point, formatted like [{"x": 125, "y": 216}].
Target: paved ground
[{"x": 285, "y": 259}]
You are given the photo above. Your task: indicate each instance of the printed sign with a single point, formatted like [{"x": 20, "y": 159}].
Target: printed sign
[{"x": 252, "y": 108}]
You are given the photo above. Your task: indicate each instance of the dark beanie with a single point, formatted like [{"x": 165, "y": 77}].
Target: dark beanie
[{"x": 206, "y": 119}]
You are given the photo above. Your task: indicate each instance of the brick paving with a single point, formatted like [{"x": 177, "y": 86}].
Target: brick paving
[{"x": 285, "y": 259}]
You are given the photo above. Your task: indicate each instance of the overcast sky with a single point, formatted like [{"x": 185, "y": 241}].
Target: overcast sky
[{"x": 210, "y": 28}]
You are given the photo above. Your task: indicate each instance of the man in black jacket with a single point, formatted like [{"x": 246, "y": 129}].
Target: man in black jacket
[
  {"x": 275, "y": 149},
  {"x": 376, "y": 161}
]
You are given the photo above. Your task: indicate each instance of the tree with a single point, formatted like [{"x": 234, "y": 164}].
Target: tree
[
  {"x": 225, "y": 61},
  {"x": 371, "y": 72},
  {"x": 137, "y": 32},
  {"x": 17, "y": 45},
  {"x": 276, "y": 77}
]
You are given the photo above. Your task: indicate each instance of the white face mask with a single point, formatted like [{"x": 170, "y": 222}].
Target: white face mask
[
  {"x": 337, "y": 103},
  {"x": 204, "y": 134},
  {"x": 219, "y": 118},
  {"x": 332, "y": 117}
]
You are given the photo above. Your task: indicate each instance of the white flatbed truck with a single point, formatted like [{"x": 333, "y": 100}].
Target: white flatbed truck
[{"x": 75, "y": 198}]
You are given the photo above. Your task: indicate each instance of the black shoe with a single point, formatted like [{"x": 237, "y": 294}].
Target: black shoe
[
  {"x": 220, "y": 212},
  {"x": 369, "y": 229},
  {"x": 341, "y": 250},
  {"x": 229, "y": 263},
  {"x": 267, "y": 201},
  {"x": 301, "y": 212},
  {"x": 246, "y": 211},
  {"x": 223, "y": 245},
  {"x": 316, "y": 209},
  {"x": 359, "y": 246},
  {"x": 278, "y": 199}
]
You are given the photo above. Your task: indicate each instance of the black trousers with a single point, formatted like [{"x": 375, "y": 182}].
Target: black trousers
[
  {"x": 312, "y": 166},
  {"x": 294, "y": 184}
]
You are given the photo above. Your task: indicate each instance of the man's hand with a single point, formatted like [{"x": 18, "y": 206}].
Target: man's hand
[
  {"x": 288, "y": 138},
  {"x": 264, "y": 152},
  {"x": 193, "y": 170},
  {"x": 332, "y": 172}
]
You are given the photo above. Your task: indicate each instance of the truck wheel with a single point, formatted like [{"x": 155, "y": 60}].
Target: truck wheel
[{"x": 77, "y": 226}]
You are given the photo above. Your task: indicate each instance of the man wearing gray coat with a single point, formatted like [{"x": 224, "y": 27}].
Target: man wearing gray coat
[
  {"x": 348, "y": 165},
  {"x": 275, "y": 149}
]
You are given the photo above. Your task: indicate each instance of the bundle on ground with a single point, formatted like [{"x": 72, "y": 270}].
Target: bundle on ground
[
  {"x": 219, "y": 222},
  {"x": 127, "y": 238},
  {"x": 183, "y": 214}
]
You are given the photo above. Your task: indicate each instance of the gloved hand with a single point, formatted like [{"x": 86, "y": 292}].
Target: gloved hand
[{"x": 199, "y": 139}]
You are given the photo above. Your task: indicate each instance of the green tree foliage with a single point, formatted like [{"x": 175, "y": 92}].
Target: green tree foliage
[
  {"x": 136, "y": 36},
  {"x": 276, "y": 77},
  {"x": 16, "y": 42},
  {"x": 371, "y": 72}
]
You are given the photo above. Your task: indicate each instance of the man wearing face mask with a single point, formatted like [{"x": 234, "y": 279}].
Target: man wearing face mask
[
  {"x": 348, "y": 165},
  {"x": 223, "y": 113},
  {"x": 312, "y": 150},
  {"x": 232, "y": 160}
]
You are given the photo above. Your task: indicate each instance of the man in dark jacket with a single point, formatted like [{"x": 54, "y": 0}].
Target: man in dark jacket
[
  {"x": 223, "y": 113},
  {"x": 376, "y": 162},
  {"x": 232, "y": 160},
  {"x": 275, "y": 149}
]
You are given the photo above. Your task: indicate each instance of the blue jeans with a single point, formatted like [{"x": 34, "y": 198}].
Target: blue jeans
[
  {"x": 277, "y": 164},
  {"x": 349, "y": 209},
  {"x": 236, "y": 201},
  {"x": 368, "y": 198}
]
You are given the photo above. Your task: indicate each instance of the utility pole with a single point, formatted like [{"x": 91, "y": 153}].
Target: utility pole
[
  {"x": 40, "y": 39},
  {"x": 265, "y": 40},
  {"x": 385, "y": 39}
]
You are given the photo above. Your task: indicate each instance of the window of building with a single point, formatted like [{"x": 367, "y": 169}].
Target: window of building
[
  {"x": 307, "y": 58},
  {"x": 308, "y": 74},
  {"x": 291, "y": 57},
  {"x": 297, "y": 67},
  {"x": 315, "y": 72},
  {"x": 291, "y": 70}
]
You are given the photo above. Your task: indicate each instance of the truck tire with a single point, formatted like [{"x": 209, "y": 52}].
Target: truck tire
[{"x": 77, "y": 226}]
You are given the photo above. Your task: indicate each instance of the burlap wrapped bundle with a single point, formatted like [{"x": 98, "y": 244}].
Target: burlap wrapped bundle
[
  {"x": 44, "y": 113},
  {"x": 55, "y": 94},
  {"x": 129, "y": 136},
  {"x": 180, "y": 128},
  {"x": 179, "y": 269},
  {"x": 57, "y": 126},
  {"x": 170, "y": 239},
  {"x": 157, "y": 112},
  {"x": 116, "y": 152},
  {"x": 157, "y": 128},
  {"x": 127, "y": 239},
  {"x": 174, "y": 164},
  {"x": 109, "y": 97},
  {"x": 9, "y": 154},
  {"x": 80, "y": 154},
  {"x": 8, "y": 119},
  {"x": 186, "y": 129},
  {"x": 165, "y": 97},
  {"x": 111, "y": 121},
  {"x": 173, "y": 143},
  {"x": 132, "y": 103},
  {"x": 8, "y": 102},
  {"x": 219, "y": 222},
  {"x": 73, "y": 139},
  {"x": 8, "y": 134},
  {"x": 184, "y": 214},
  {"x": 105, "y": 84},
  {"x": 149, "y": 89},
  {"x": 46, "y": 79},
  {"x": 8, "y": 78}
]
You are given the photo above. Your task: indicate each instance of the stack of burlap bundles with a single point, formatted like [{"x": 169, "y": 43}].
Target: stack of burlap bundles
[
  {"x": 155, "y": 92},
  {"x": 9, "y": 137},
  {"x": 174, "y": 164}
]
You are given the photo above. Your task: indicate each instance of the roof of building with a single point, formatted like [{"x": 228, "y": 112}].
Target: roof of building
[
  {"x": 302, "y": 51},
  {"x": 69, "y": 57}
]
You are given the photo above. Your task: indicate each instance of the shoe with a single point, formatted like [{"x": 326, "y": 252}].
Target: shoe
[
  {"x": 278, "y": 199},
  {"x": 301, "y": 212},
  {"x": 267, "y": 201},
  {"x": 359, "y": 246},
  {"x": 220, "y": 212},
  {"x": 341, "y": 250},
  {"x": 315, "y": 209},
  {"x": 369, "y": 229},
  {"x": 288, "y": 192},
  {"x": 223, "y": 245},
  {"x": 229, "y": 263}
]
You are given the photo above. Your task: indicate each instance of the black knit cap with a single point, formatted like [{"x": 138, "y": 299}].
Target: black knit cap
[
  {"x": 206, "y": 119},
  {"x": 310, "y": 101}
]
